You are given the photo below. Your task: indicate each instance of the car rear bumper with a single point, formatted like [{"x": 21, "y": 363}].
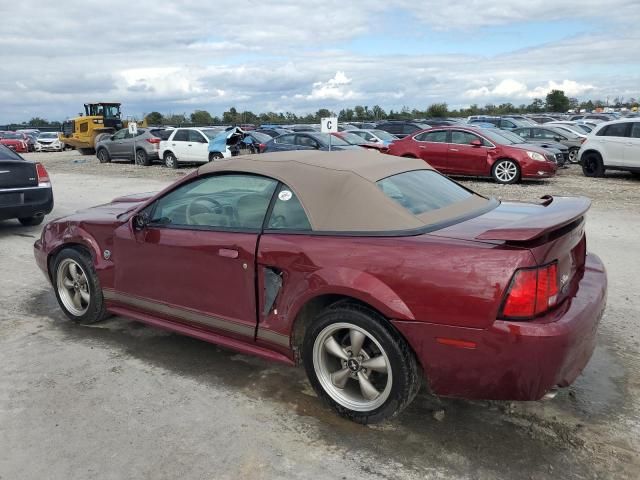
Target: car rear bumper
[
  {"x": 514, "y": 360},
  {"x": 26, "y": 202}
]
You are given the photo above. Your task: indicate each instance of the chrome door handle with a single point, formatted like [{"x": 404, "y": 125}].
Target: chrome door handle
[
  {"x": 453, "y": 149},
  {"x": 228, "y": 253},
  {"x": 422, "y": 146}
]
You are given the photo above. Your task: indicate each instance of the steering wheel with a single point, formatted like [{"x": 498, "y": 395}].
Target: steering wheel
[{"x": 202, "y": 201}]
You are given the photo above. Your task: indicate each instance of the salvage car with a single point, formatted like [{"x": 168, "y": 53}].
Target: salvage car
[
  {"x": 353, "y": 139},
  {"x": 481, "y": 152},
  {"x": 188, "y": 145},
  {"x": 25, "y": 189},
  {"x": 612, "y": 146},
  {"x": 376, "y": 136},
  {"x": 371, "y": 270},
  {"x": 14, "y": 141},
  {"x": 307, "y": 141},
  {"x": 572, "y": 141},
  {"x": 120, "y": 145},
  {"x": 49, "y": 142}
]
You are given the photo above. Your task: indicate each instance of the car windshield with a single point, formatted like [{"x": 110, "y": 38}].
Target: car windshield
[
  {"x": 421, "y": 191},
  {"x": 48, "y": 135},
  {"x": 382, "y": 135},
  {"x": 260, "y": 137},
  {"x": 352, "y": 138},
  {"x": 210, "y": 132},
  {"x": 513, "y": 137},
  {"x": 497, "y": 136},
  {"x": 323, "y": 138}
]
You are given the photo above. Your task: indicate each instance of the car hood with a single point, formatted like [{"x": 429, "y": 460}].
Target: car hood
[
  {"x": 530, "y": 147},
  {"x": 110, "y": 212},
  {"x": 547, "y": 144}
]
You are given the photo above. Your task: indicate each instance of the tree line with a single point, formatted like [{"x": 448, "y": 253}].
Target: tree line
[{"x": 555, "y": 101}]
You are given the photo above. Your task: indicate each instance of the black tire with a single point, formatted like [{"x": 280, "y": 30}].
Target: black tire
[
  {"x": 103, "y": 156},
  {"x": 573, "y": 155},
  {"x": 506, "y": 164},
  {"x": 95, "y": 310},
  {"x": 592, "y": 165},
  {"x": 142, "y": 158},
  {"x": 31, "y": 221},
  {"x": 170, "y": 160},
  {"x": 86, "y": 151},
  {"x": 405, "y": 373},
  {"x": 215, "y": 156}
]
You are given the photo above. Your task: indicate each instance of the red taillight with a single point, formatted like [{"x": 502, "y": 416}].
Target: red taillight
[
  {"x": 43, "y": 176},
  {"x": 532, "y": 292},
  {"x": 261, "y": 147},
  {"x": 153, "y": 140}
]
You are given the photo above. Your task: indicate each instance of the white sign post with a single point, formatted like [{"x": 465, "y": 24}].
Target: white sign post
[
  {"x": 329, "y": 125},
  {"x": 133, "y": 130}
]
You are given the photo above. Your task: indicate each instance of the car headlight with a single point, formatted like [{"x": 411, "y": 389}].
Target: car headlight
[{"x": 536, "y": 156}]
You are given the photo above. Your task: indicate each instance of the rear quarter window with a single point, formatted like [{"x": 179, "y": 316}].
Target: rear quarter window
[{"x": 422, "y": 191}]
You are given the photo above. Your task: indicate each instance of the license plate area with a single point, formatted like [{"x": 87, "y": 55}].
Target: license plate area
[{"x": 10, "y": 199}]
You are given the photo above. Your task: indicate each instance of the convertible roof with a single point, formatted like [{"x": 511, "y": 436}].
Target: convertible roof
[{"x": 338, "y": 189}]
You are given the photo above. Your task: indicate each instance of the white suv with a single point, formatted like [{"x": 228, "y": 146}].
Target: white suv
[{"x": 612, "y": 145}]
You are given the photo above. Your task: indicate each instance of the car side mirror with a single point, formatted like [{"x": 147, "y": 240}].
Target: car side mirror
[
  {"x": 475, "y": 143},
  {"x": 140, "y": 221},
  {"x": 557, "y": 139}
]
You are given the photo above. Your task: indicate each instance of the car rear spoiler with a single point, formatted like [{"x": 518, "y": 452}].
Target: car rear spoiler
[{"x": 556, "y": 212}]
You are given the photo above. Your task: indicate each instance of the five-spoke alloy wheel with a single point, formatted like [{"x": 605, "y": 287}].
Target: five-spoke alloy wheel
[{"x": 359, "y": 364}]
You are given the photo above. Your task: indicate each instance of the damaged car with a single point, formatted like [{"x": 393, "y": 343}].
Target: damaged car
[{"x": 372, "y": 271}]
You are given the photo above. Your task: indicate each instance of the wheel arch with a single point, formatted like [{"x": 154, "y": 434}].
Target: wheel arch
[
  {"x": 590, "y": 151},
  {"x": 75, "y": 245}
]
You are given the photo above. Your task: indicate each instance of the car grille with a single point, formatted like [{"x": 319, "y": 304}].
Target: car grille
[{"x": 559, "y": 158}]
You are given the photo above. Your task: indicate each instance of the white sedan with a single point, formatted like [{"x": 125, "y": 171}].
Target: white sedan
[{"x": 49, "y": 142}]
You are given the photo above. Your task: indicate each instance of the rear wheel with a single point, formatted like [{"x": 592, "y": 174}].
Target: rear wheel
[
  {"x": 506, "y": 171},
  {"x": 170, "y": 160},
  {"x": 31, "y": 221},
  {"x": 215, "y": 156},
  {"x": 573, "y": 155},
  {"x": 142, "y": 158},
  {"x": 77, "y": 287},
  {"x": 103, "y": 156},
  {"x": 592, "y": 165},
  {"x": 360, "y": 366}
]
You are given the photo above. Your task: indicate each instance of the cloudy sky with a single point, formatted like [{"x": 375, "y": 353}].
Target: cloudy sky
[{"x": 298, "y": 55}]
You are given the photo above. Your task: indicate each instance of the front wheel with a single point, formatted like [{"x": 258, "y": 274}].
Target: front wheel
[
  {"x": 103, "y": 156},
  {"x": 360, "y": 366},
  {"x": 77, "y": 287},
  {"x": 506, "y": 171}
]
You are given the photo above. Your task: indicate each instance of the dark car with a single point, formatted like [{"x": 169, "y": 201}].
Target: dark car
[
  {"x": 371, "y": 270},
  {"x": 274, "y": 132},
  {"x": 477, "y": 152},
  {"x": 306, "y": 141},
  {"x": 355, "y": 139},
  {"x": 507, "y": 123},
  {"x": 25, "y": 189},
  {"x": 572, "y": 141},
  {"x": 120, "y": 145},
  {"x": 401, "y": 128},
  {"x": 560, "y": 151}
]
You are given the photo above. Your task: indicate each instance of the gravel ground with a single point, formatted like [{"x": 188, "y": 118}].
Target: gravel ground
[{"x": 122, "y": 400}]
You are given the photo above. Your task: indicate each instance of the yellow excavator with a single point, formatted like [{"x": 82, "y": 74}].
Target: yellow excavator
[{"x": 99, "y": 120}]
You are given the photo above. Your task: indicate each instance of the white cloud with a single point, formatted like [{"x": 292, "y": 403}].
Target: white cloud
[
  {"x": 510, "y": 89},
  {"x": 336, "y": 88}
]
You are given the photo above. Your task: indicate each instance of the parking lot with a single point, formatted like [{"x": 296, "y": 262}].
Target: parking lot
[{"x": 131, "y": 401}]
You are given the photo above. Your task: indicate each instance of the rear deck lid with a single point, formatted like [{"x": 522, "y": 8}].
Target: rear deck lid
[{"x": 15, "y": 172}]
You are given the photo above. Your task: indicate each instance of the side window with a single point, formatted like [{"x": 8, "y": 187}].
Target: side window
[
  {"x": 289, "y": 139},
  {"x": 615, "y": 130},
  {"x": 436, "y": 137},
  {"x": 635, "y": 130},
  {"x": 231, "y": 201},
  {"x": 507, "y": 124},
  {"x": 120, "y": 134},
  {"x": 197, "y": 137},
  {"x": 524, "y": 133},
  {"x": 181, "y": 136},
  {"x": 306, "y": 141},
  {"x": 391, "y": 128},
  {"x": 140, "y": 132},
  {"x": 287, "y": 213},
  {"x": 408, "y": 129},
  {"x": 463, "y": 138}
]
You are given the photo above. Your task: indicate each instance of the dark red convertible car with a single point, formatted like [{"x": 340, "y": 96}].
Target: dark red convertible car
[
  {"x": 371, "y": 270},
  {"x": 484, "y": 152}
]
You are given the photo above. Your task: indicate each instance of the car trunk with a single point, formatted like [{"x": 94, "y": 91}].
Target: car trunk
[
  {"x": 17, "y": 174},
  {"x": 553, "y": 231}
]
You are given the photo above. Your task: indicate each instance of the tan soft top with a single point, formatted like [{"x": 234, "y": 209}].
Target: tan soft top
[{"x": 338, "y": 189}]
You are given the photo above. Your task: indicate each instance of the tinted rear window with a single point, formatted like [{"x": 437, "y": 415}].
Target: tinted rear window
[{"x": 422, "y": 191}]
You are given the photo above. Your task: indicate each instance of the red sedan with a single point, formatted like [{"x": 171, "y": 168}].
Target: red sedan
[
  {"x": 456, "y": 150},
  {"x": 15, "y": 141},
  {"x": 369, "y": 269}
]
